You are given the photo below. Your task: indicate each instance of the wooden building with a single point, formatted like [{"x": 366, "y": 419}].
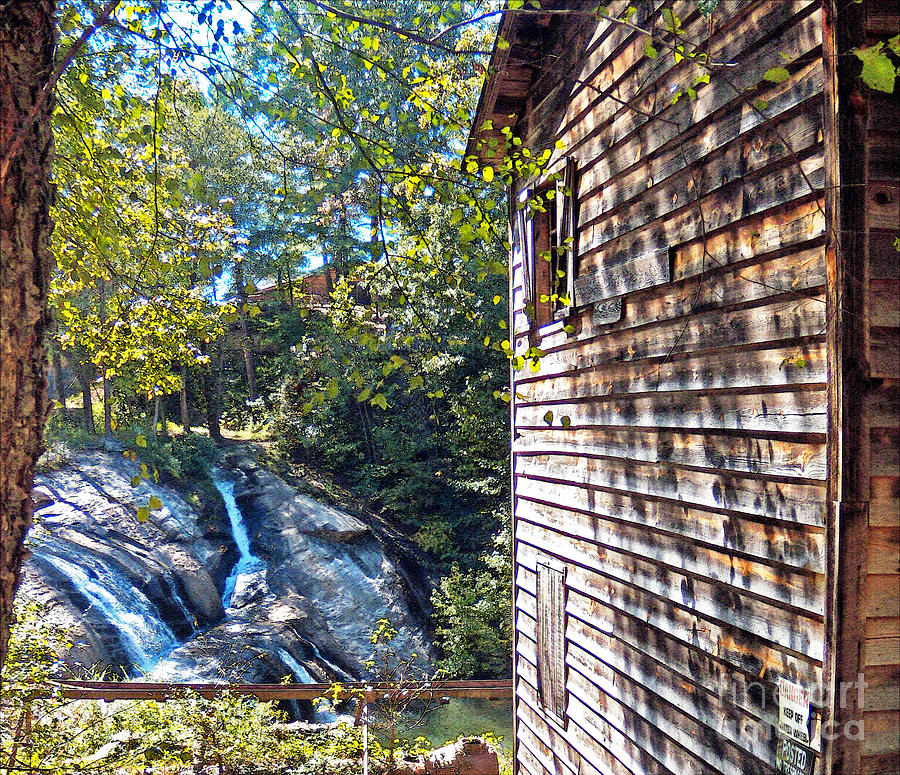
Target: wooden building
[{"x": 706, "y": 425}]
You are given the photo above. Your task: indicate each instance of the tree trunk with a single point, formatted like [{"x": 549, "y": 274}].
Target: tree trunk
[
  {"x": 27, "y": 38},
  {"x": 87, "y": 403},
  {"x": 185, "y": 414},
  {"x": 246, "y": 341},
  {"x": 155, "y": 420},
  {"x": 220, "y": 378},
  {"x": 329, "y": 285},
  {"x": 107, "y": 408},
  {"x": 343, "y": 252},
  {"x": 279, "y": 282},
  {"x": 212, "y": 407},
  {"x": 163, "y": 422},
  {"x": 290, "y": 285},
  {"x": 107, "y": 393},
  {"x": 248, "y": 359}
]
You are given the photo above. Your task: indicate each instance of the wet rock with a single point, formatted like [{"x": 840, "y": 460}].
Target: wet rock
[
  {"x": 336, "y": 563},
  {"x": 92, "y": 555},
  {"x": 249, "y": 588}
]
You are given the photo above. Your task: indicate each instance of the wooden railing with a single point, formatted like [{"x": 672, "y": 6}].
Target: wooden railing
[{"x": 139, "y": 690}]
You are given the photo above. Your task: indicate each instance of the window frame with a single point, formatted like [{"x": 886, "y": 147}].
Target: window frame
[{"x": 559, "y": 218}]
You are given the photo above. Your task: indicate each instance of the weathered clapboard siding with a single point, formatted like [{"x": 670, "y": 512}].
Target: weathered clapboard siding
[
  {"x": 881, "y": 716},
  {"x": 675, "y": 447}
]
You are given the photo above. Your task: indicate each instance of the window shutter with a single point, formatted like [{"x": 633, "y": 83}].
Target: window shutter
[
  {"x": 567, "y": 223},
  {"x": 551, "y": 601},
  {"x": 525, "y": 227}
]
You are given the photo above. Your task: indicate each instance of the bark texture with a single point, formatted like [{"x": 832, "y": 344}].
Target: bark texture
[{"x": 27, "y": 38}]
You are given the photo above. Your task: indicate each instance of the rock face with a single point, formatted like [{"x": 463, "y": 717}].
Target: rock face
[
  {"x": 148, "y": 596},
  {"x": 333, "y": 564},
  {"x": 129, "y": 591}
]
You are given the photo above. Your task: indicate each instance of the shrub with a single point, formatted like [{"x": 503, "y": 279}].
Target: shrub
[{"x": 472, "y": 613}]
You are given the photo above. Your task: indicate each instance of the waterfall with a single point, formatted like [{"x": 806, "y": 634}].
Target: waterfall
[
  {"x": 143, "y": 634},
  {"x": 301, "y": 674},
  {"x": 323, "y": 710},
  {"x": 248, "y": 563}
]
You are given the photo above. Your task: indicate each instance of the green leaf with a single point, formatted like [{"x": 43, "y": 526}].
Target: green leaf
[
  {"x": 878, "y": 71},
  {"x": 565, "y": 421},
  {"x": 649, "y": 50},
  {"x": 364, "y": 395},
  {"x": 776, "y": 74},
  {"x": 894, "y": 45},
  {"x": 155, "y": 502},
  {"x": 488, "y": 174},
  {"x": 143, "y": 514},
  {"x": 548, "y": 417},
  {"x": 707, "y": 7},
  {"x": 141, "y": 441},
  {"x": 760, "y": 103},
  {"x": 135, "y": 481},
  {"x": 416, "y": 381},
  {"x": 379, "y": 400}
]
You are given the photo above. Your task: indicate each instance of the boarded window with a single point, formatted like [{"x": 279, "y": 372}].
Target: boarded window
[{"x": 551, "y": 610}]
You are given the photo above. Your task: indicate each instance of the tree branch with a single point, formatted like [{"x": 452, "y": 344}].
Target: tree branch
[{"x": 14, "y": 144}]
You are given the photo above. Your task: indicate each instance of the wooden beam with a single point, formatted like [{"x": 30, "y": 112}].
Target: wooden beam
[
  {"x": 161, "y": 692},
  {"x": 846, "y": 144}
]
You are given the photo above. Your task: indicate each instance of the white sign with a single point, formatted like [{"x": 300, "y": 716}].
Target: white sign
[{"x": 793, "y": 711}]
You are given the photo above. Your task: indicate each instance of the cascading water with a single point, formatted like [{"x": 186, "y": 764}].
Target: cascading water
[
  {"x": 323, "y": 710},
  {"x": 145, "y": 637},
  {"x": 249, "y": 569},
  {"x": 301, "y": 674},
  {"x": 248, "y": 564}
]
